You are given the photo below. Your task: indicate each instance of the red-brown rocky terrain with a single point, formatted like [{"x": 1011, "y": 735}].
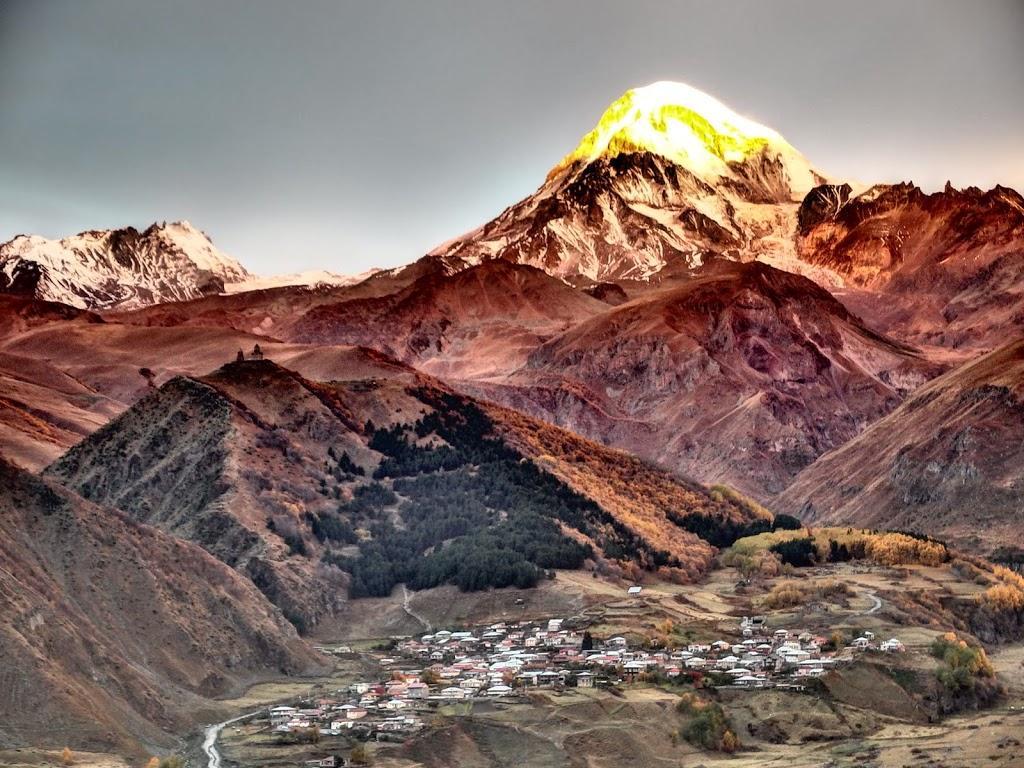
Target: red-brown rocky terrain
[
  {"x": 935, "y": 270},
  {"x": 743, "y": 376}
]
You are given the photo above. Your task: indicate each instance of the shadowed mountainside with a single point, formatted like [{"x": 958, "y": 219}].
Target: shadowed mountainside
[
  {"x": 116, "y": 635},
  {"x": 948, "y": 462}
]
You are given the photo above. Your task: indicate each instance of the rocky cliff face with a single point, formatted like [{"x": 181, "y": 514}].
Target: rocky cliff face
[
  {"x": 117, "y": 268},
  {"x": 945, "y": 269}
]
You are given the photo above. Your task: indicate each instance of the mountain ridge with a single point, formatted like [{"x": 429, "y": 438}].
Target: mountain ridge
[
  {"x": 118, "y": 267},
  {"x": 201, "y": 458}
]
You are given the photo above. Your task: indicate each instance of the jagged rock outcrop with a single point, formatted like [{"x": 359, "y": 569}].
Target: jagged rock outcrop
[{"x": 943, "y": 269}]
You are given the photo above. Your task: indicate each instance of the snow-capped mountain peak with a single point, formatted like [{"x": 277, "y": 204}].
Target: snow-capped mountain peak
[
  {"x": 122, "y": 268},
  {"x": 690, "y": 129},
  {"x": 668, "y": 175}
]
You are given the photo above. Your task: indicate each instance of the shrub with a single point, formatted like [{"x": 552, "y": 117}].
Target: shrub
[
  {"x": 359, "y": 755},
  {"x": 786, "y": 523},
  {"x": 708, "y": 727},
  {"x": 962, "y": 665},
  {"x": 833, "y": 588},
  {"x": 789, "y": 593},
  {"x": 296, "y": 544},
  {"x": 1003, "y": 597},
  {"x": 785, "y": 595}
]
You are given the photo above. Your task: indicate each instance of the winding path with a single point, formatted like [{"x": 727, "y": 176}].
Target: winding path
[
  {"x": 406, "y": 597},
  {"x": 211, "y": 735},
  {"x": 877, "y": 603}
]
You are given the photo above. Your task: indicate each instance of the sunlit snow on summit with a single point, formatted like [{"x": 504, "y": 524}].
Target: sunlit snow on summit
[{"x": 688, "y": 127}]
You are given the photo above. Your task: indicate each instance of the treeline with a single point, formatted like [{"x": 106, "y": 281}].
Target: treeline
[
  {"x": 887, "y": 548},
  {"x": 466, "y": 432},
  {"x": 1012, "y": 557}
]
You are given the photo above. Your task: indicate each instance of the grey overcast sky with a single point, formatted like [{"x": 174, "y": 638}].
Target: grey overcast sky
[{"x": 344, "y": 135}]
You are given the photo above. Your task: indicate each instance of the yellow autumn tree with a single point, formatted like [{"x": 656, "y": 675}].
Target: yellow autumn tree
[
  {"x": 1003, "y": 597},
  {"x": 730, "y": 743},
  {"x": 360, "y": 755},
  {"x": 67, "y": 757}
]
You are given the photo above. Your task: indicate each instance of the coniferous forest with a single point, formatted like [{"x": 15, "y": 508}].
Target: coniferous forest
[{"x": 465, "y": 509}]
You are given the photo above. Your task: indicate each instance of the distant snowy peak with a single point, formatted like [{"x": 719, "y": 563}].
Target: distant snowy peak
[
  {"x": 122, "y": 268},
  {"x": 311, "y": 279},
  {"x": 694, "y": 131}
]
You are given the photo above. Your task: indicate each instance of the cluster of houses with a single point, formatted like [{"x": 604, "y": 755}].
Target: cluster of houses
[
  {"x": 506, "y": 660},
  {"x": 499, "y": 660},
  {"x": 781, "y": 657},
  {"x": 363, "y": 711}
]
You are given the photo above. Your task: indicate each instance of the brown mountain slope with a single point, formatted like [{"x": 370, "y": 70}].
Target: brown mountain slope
[
  {"x": 743, "y": 376},
  {"x": 481, "y": 321},
  {"x": 270, "y": 312},
  {"x": 945, "y": 269},
  {"x": 214, "y": 461},
  {"x": 247, "y": 462},
  {"x": 948, "y": 462},
  {"x": 115, "y": 634},
  {"x": 44, "y": 410},
  {"x": 19, "y": 313}
]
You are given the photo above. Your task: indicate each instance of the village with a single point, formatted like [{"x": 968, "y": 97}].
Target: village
[{"x": 503, "y": 662}]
